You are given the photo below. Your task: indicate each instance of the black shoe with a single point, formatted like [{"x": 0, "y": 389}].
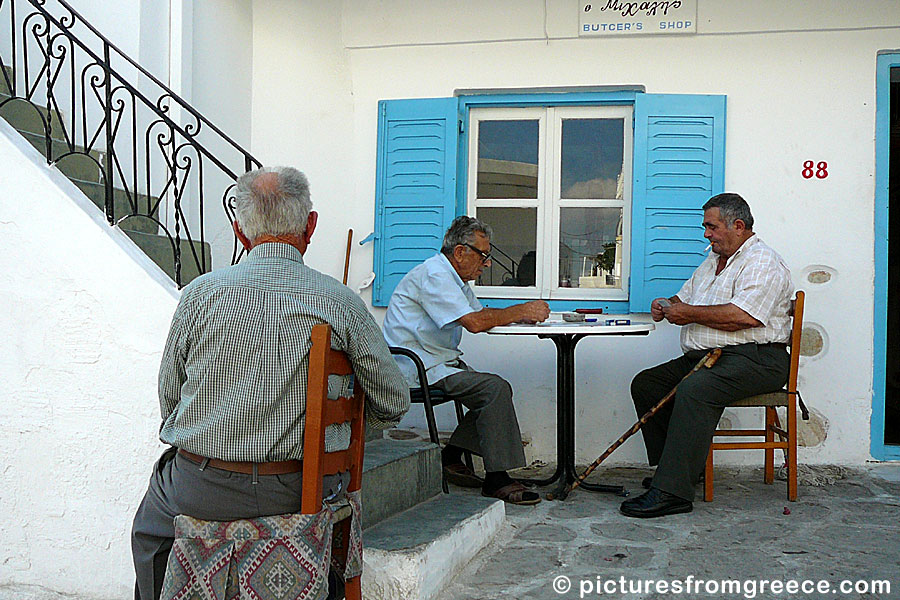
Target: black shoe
[{"x": 655, "y": 503}]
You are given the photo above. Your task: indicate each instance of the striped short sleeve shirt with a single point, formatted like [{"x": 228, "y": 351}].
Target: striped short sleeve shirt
[
  {"x": 232, "y": 382},
  {"x": 756, "y": 280}
]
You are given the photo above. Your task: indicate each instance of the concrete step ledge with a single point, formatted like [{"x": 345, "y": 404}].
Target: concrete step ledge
[
  {"x": 397, "y": 476},
  {"x": 415, "y": 554}
]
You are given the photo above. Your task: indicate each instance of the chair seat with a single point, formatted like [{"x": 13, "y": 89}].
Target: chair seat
[{"x": 771, "y": 399}]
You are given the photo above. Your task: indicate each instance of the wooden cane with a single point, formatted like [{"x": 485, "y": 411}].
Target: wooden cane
[
  {"x": 707, "y": 361},
  {"x": 347, "y": 256}
]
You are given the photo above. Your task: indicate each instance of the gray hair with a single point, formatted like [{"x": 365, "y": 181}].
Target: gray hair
[
  {"x": 462, "y": 231},
  {"x": 274, "y": 208},
  {"x": 731, "y": 207}
]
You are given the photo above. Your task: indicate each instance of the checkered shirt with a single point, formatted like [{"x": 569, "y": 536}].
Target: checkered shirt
[
  {"x": 756, "y": 280},
  {"x": 232, "y": 383}
]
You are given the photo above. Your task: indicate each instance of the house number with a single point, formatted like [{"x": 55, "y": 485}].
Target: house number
[{"x": 818, "y": 170}]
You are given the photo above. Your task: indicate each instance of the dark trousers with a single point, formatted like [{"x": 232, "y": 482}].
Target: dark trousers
[
  {"x": 678, "y": 437},
  {"x": 490, "y": 428},
  {"x": 178, "y": 486}
]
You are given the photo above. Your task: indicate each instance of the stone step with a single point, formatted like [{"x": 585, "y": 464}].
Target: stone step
[
  {"x": 159, "y": 249},
  {"x": 73, "y": 166},
  {"x": 26, "y": 116},
  {"x": 397, "y": 476},
  {"x": 416, "y": 553},
  {"x": 121, "y": 206}
]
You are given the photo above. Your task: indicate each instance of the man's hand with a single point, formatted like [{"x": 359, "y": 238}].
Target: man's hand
[
  {"x": 534, "y": 311},
  {"x": 677, "y": 313},
  {"x": 656, "y": 308}
]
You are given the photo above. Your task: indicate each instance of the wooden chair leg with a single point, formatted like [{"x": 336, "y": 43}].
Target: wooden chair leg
[
  {"x": 352, "y": 589},
  {"x": 708, "y": 477},
  {"x": 769, "y": 476},
  {"x": 792, "y": 453}
]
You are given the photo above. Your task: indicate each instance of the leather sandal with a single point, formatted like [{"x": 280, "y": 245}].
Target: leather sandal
[
  {"x": 460, "y": 474},
  {"x": 514, "y": 493}
]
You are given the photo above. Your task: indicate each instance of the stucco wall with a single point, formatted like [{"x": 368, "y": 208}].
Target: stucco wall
[
  {"x": 85, "y": 315},
  {"x": 800, "y": 86}
]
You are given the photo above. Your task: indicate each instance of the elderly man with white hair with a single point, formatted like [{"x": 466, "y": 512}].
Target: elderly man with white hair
[{"x": 232, "y": 383}]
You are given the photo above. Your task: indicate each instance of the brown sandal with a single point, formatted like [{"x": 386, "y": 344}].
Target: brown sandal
[{"x": 514, "y": 493}]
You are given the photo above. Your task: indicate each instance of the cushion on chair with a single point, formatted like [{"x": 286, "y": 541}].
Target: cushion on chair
[
  {"x": 770, "y": 399},
  {"x": 283, "y": 557}
]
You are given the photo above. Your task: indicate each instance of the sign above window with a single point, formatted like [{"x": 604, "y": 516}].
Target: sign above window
[{"x": 617, "y": 17}]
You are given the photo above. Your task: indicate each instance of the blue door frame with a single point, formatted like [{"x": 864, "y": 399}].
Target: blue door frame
[{"x": 885, "y": 61}]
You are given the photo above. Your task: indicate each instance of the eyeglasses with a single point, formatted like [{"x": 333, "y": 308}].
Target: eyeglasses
[{"x": 485, "y": 256}]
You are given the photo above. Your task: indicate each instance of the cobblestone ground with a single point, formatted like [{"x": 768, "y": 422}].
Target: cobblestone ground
[{"x": 848, "y": 530}]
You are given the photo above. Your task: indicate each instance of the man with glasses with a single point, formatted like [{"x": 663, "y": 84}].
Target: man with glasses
[{"x": 427, "y": 313}]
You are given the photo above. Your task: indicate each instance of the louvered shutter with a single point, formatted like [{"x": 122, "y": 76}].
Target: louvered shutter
[
  {"x": 415, "y": 189},
  {"x": 679, "y": 162}
]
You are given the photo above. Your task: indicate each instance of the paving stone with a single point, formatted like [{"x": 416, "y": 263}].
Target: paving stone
[
  {"x": 603, "y": 557},
  {"x": 631, "y": 531},
  {"x": 885, "y": 514},
  {"x": 516, "y": 565},
  {"x": 546, "y": 533}
]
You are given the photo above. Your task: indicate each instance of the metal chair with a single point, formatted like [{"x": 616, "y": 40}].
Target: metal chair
[
  {"x": 788, "y": 398},
  {"x": 429, "y": 397}
]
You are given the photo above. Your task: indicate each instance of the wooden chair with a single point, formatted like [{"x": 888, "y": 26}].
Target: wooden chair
[
  {"x": 429, "y": 397},
  {"x": 205, "y": 547},
  {"x": 321, "y": 412},
  {"x": 787, "y": 441}
]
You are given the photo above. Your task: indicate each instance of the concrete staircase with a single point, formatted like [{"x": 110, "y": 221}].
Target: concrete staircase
[
  {"x": 83, "y": 170},
  {"x": 415, "y": 538}
]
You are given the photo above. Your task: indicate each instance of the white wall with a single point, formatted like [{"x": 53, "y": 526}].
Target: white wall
[
  {"x": 800, "y": 86},
  {"x": 84, "y": 321}
]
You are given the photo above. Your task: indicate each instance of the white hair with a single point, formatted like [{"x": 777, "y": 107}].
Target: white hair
[{"x": 263, "y": 208}]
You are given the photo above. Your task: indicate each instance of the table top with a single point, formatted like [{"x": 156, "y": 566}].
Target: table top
[{"x": 554, "y": 326}]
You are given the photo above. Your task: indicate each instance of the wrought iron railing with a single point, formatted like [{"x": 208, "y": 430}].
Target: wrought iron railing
[{"x": 157, "y": 158}]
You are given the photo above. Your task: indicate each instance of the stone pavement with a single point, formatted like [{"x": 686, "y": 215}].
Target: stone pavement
[{"x": 848, "y": 530}]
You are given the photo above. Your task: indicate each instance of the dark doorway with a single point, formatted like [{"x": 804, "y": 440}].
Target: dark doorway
[{"x": 892, "y": 370}]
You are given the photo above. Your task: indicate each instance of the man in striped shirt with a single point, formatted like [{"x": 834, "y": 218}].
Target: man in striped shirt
[
  {"x": 232, "y": 382},
  {"x": 738, "y": 299}
]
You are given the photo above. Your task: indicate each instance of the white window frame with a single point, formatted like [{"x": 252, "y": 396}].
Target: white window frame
[{"x": 548, "y": 202}]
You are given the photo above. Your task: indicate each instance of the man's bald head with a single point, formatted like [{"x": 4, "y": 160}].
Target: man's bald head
[{"x": 272, "y": 201}]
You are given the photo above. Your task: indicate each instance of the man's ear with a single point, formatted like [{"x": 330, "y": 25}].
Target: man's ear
[
  {"x": 241, "y": 237},
  {"x": 739, "y": 225},
  {"x": 310, "y": 226}
]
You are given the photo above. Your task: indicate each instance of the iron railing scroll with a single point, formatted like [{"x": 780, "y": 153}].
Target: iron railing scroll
[{"x": 155, "y": 158}]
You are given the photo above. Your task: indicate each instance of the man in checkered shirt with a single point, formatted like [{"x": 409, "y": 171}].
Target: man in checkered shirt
[
  {"x": 738, "y": 299},
  {"x": 232, "y": 383}
]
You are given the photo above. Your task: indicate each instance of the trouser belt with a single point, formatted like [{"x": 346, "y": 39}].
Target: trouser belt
[{"x": 267, "y": 468}]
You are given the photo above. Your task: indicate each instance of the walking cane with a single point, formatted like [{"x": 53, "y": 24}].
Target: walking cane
[{"x": 707, "y": 361}]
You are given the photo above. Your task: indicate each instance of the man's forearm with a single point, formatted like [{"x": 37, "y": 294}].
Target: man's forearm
[
  {"x": 725, "y": 317},
  {"x": 484, "y": 319}
]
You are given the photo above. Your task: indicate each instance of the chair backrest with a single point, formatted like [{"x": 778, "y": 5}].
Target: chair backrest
[
  {"x": 796, "y": 334},
  {"x": 322, "y": 412}
]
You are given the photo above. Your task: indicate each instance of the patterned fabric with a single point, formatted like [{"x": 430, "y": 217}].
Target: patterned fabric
[
  {"x": 353, "y": 565},
  {"x": 268, "y": 558},
  {"x": 756, "y": 280},
  {"x": 422, "y": 314},
  {"x": 232, "y": 383}
]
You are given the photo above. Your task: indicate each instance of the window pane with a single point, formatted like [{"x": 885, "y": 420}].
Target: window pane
[
  {"x": 592, "y": 158},
  {"x": 513, "y": 246},
  {"x": 590, "y": 247},
  {"x": 507, "y": 159}
]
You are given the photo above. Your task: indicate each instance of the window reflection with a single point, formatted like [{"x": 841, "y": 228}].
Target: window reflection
[
  {"x": 507, "y": 159},
  {"x": 513, "y": 246},
  {"x": 590, "y": 247},
  {"x": 591, "y": 159}
]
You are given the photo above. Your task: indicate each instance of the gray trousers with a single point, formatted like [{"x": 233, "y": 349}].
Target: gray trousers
[
  {"x": 490, "y": 428},
  {"x": 178, "y": 486},
  {"x": 678, "y": 437}
]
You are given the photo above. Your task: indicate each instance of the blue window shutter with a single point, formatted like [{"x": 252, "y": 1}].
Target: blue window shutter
[
  {"x": 415, "y": 186},
  {"x": 679, "y": 162}
]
